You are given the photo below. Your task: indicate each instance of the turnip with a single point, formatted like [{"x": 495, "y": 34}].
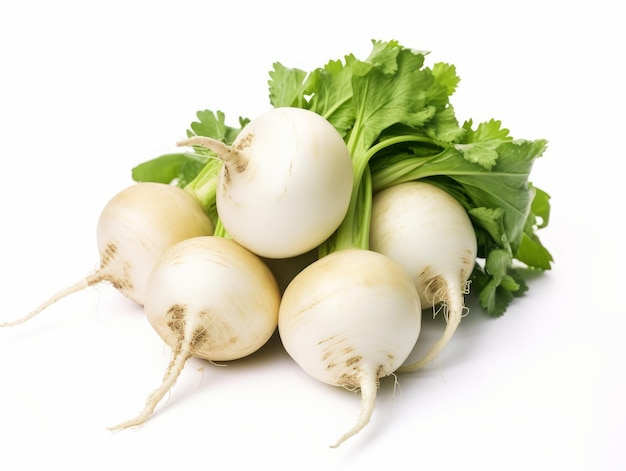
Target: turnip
[
  {"x": 210, "y": 298},
  {"x": 349, "y": 319},
  {"x": 134, "y": 229},
  {"x": 429, "y": 233},
  {"x": 286, "y": 182}
]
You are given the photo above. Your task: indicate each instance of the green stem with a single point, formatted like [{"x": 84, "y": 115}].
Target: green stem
[
  {"x": 354, "y": 230},
  {"x": 415, "y": 168},
  {"x": 397, "y": 140},
  {"x": 204, "y": 186},
  {"x": 220, "y": 230},
  {"x": 405, "y": 170},
  {"x": 353, "y": 233}
]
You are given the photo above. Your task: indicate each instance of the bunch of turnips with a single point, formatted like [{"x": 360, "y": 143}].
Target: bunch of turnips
[{"x": 359, "y": 176}]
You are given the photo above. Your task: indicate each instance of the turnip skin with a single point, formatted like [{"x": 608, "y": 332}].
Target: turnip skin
[
  {"x": 349, "y": 319},
  {"x": 129, "y": 229},
  {"x": 430, "y": 234},
  {"x": 210, "y": 298},
  {"x": 133, "y": 230},
  {"x": 286, "y": 182}
]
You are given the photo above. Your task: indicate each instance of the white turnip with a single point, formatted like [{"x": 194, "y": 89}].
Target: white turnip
[
  {"x": 134, "y": 229},
  {"x": 286, "y": 182},
  {"x": 349, "y": 319},
  {"x": 210, "y": 298},
  {"x": 430, "y": 234}
]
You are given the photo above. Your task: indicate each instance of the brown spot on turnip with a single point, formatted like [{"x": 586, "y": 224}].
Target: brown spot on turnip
[
  {"x": 246, "y": 142},
  {"x": 349, "y": 381},
  {"x": 176, "y": 319},
  {"x": 119, "y": 276},
  {"x": 226, "y": 177},
  {"x": 198, "y": 338},
  {"x": 108, "y": 254},
  {"x": 327, "y": 339},
  {"x": 123, "y": 284},
  {"x": 239, "y": 161}
]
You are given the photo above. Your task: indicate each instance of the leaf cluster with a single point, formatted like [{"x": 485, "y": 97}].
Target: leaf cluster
[
  {"x": 399, "y": 124},
  {"x": 396, "y": 117}
]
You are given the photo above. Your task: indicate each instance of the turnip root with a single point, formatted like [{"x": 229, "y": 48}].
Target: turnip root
[
  {"x": 134, "y": 229},
  {"x": 430, "y": 234},
  {"x": 349, "y": 319},
  {"x": 286, "y": 182},
  {"x": 210, "y": 298}
]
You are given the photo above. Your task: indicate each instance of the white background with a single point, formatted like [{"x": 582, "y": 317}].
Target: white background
[{"x": 90, "y": 89}]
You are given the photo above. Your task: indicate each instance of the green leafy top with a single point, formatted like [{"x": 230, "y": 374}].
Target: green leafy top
[
  {"x": 396, "y": 118},
  {"x": 399, "y": 125}
]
